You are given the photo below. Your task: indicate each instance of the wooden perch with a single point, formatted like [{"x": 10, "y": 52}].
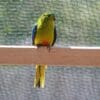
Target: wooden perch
[{"x": 70, "y": 56}]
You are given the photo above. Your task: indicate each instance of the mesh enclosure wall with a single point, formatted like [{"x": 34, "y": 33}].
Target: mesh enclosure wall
[{"x": 77, "y": 22}]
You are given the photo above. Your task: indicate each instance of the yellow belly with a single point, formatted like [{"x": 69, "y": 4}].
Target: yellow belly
[{"x": 44, "y": 37}]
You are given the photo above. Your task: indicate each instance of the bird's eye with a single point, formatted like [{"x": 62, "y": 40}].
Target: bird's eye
[{"x": 44, "y": 15}]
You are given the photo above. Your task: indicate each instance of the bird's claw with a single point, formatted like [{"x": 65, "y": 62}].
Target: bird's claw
[{"x": 49, "y": 48}]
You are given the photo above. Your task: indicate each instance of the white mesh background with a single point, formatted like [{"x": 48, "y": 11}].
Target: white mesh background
[{"x": 77, "y": 22}]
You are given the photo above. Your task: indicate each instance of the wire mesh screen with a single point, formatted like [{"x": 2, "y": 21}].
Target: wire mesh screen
[{"x": 77, "y": 22}]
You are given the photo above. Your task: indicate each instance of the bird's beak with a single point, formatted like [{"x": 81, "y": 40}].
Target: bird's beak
[{"x": 53, "y": 16}]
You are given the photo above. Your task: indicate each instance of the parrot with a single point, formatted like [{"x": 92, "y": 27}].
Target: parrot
[{"x": 43, "y": 34}]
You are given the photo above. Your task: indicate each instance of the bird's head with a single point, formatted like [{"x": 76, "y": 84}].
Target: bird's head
[
  {"x": 47, "y": 16},
  {"x": 46, "y": 19}
]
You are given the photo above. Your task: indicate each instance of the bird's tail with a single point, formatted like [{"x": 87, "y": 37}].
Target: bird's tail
[{"x": 39, "y": 80}]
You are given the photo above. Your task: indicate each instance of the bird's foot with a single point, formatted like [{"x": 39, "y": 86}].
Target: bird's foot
[{"x": 49, "y": 48}]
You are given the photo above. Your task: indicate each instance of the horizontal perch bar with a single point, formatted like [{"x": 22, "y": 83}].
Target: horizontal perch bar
[{"x": 70, "y": 56}]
